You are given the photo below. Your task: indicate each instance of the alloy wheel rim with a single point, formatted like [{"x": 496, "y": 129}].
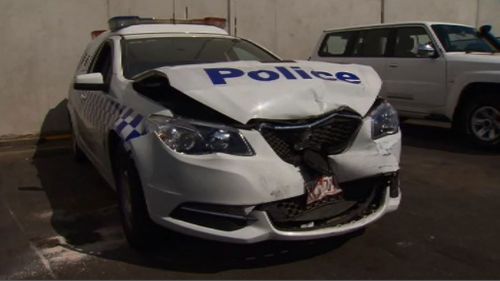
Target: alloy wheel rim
[{"x": 485, "y": 123}]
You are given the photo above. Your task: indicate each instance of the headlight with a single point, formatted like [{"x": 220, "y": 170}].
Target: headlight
[
  {"x": 385, "y": 120},
  {"x": 195, "y": 137}
]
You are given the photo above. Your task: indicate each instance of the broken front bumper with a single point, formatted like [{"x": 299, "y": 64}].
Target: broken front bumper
[{"x": 230, "y": 198}]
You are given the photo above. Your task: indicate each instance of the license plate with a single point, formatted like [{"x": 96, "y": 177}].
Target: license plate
[{"x": 321, "y": 188}]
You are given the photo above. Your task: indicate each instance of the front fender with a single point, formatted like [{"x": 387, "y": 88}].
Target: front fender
[{"x": 465, "y": 79}]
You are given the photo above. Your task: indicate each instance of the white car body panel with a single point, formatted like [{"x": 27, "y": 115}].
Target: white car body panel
[{"x": 415, "y": 82}]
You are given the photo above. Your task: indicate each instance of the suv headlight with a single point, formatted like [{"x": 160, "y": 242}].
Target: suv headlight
[
  {"x": 196, "y": 137},
  {"x": 385, "y": 120}
]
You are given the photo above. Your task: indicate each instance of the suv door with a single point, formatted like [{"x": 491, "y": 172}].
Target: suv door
[
  {"x": 368, "y": 47},
  {"x": 413, "y": 82}
]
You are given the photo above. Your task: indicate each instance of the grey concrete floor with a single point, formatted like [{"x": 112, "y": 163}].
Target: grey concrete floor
[{"x": 58, "y": 219}]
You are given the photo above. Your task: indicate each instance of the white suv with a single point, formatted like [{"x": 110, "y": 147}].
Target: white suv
[{"x": 430, "y": 70}]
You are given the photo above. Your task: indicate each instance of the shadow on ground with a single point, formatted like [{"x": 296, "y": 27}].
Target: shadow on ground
[{"x": 85, "y": 217}]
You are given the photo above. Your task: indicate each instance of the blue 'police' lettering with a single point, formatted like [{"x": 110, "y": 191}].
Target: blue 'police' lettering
[
  {"x": 288, "y": 75},
  {"x": 348, "y": 77},
  {"x": 219, "y": 75},
  {"x": 301, "y": 72},
  {"x": 323, "y": 75},
  {"x": 268, "y": 75}
]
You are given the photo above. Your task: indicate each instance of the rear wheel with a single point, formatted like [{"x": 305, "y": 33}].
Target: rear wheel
[
  {"x": 137, "y": 225},
  {"x": 479, "y": 119}
]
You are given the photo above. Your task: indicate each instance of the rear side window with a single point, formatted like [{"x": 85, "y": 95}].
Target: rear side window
[
  {"x": 371, "y": 43},
  {"x": 336, "y": 44},
  {"x": 407, "y": 41}
]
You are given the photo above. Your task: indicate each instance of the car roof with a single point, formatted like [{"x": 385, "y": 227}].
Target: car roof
[
  {"x": 392, "y": 24},
  {"x": 169, "y": 28}
]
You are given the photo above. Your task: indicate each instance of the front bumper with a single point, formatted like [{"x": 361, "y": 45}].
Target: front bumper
[
  {"x": 260, "y": 225},
  {"x": 171, "y": 179}
]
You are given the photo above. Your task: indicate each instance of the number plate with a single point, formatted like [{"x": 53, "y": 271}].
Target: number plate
[{"x": 321, "y": 188}]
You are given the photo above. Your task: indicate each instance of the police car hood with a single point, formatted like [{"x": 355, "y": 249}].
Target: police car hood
[{"x": 245, "y": 90}]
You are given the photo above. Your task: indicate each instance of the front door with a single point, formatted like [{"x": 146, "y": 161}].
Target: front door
[
  {"x": 414, "y": 83},
  {"x": 91, "y": 109}
]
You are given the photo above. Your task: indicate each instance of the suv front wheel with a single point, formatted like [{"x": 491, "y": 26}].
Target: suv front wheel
[{"x": 480, "y": 120}]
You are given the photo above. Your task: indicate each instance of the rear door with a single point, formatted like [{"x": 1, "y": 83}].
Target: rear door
[
  {"x": 336, "y": 47},
  {"x": 366, "y": 47},
  {"x": 412, "y": 82},
  {"x": 370, "y": 48}
]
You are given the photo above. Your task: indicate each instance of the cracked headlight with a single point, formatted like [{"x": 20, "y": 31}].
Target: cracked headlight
[
  {"x": 385, "y": 120},
  {"x": 196, "y": 137}
]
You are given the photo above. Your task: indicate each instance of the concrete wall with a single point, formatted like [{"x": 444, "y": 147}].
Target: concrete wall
[
  {"x": 40, "y": 47},
  {"x": 292, "y": 27},
  {"x": 459, "y": 11},
  {"x": 488, "y": 12},
  {"x": 43, "y": 40}
]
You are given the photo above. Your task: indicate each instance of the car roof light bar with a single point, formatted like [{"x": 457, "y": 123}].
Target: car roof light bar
[{"x": 119, "y": 22}]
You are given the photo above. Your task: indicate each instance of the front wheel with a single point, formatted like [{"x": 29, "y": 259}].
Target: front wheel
[
  {"x": 137, "y": 225},
  {"x": 485, "y": 125},
  {"x": 481, "y": 120},
  {"x": 78, "y": 153}
]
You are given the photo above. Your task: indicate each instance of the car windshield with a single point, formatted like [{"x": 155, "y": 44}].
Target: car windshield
[
  {"x": 456, "y": 38},
  {"x": 144, "y": 54}
]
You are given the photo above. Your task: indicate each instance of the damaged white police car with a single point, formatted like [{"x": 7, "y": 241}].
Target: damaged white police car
[{"x": 216, "y": 137}]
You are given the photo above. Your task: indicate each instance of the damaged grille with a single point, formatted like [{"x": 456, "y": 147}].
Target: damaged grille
[
  {"x": 359, "y": 198},
  {"x": 327, "y": 136}
]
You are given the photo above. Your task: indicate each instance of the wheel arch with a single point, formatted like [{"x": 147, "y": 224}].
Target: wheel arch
[
  {"x": 113, "y": 143},
  {"x": 474, "y": 90}
]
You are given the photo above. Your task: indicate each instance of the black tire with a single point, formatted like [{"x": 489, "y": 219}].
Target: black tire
[
  {"x": 403, "y": 119},
  {"x": 78, "y": 154},
  {"x": 137, "y": 225},
  {"x": 474, "y": 109}
]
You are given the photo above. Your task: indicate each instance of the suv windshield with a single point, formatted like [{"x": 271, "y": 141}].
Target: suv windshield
[
  {"x": 456, "y": 38},
  {"x": 148, "y": 53}
]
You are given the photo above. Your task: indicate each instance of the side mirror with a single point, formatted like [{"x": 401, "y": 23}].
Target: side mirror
[
  {"x": 89, "y": 82},
  {"x": 426, "y": 51},
  {"x": 485, "y": 32}
]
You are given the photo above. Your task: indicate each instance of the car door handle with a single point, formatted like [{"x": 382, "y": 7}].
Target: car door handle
[
  {"x": 83, "y": 96},
  {"x": 393, "y": 65}
]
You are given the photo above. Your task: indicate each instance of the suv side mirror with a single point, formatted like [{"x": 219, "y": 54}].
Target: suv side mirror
[
  {"x": 426, "y": 51},
  {"x": 89, "y": 82},
  {"x": 485, "y": 32}
]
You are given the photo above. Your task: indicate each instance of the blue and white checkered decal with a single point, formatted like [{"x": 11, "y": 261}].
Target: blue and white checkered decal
[
  {"x": 106, "y": 114},
  {"x": 129, "y": 125}
]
